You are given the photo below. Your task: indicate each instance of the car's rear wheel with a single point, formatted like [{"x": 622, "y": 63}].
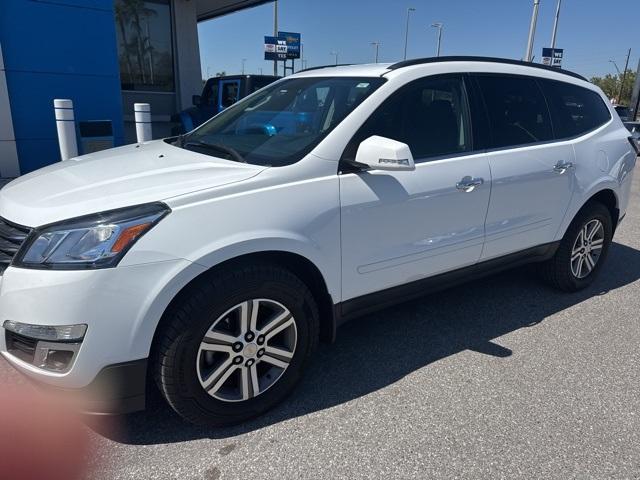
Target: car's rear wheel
[
  {"x": 236, "y": 344},
  {"x": 582, "y": 251}
]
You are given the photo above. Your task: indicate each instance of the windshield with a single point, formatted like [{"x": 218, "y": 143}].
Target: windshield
[{"x": 283, "y": 122}]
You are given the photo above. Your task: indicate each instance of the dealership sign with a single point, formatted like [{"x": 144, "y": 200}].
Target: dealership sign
[
  {"x": 275, "y": 48},
  {"x": 285, "y": 46},
  {"x": 552, "y": 57}
]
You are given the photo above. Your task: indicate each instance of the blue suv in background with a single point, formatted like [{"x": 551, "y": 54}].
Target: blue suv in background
[{"x": 218, "y": 93}]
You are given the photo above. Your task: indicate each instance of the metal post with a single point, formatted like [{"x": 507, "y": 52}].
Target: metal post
[
  {"x": 142, "y": 113},
  {"x": 555, "y": 25},
  {"x": 624, "y": 77},
  {"x": 336, "y": 55},
  {"x": 66, "y": 125},
  {"x": 377, "y": 46},
  {"x": 406, "y": 31},
  {"x": 635, "y": 97},
  {"x": 275, "y": 33},
  {"x": 439, "y": 26},
  {"x": 532, "y": 31},
  {"x": 244, "y": 60}
]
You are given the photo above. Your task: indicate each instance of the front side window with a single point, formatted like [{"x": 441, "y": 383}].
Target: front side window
[
  {"x": 517, "y": 110},
  {"x": 430, "y": 115},
  {"x": 575, "y": 110},
  {"x": 282, "y": 123},
  {"x": 145, "y": 55},
  {"x": 230, "y": 91}
]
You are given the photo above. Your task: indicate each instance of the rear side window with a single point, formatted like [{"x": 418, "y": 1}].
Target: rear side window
[
  {"x": 574, "y": 110},
  {"x": 517, "y": 110},
  {"x": 430, "y": 115}
]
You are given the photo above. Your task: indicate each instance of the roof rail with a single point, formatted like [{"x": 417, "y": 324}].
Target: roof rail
[
  {"x": 325, "y": 66},
  {"x": 420, "y": 61}
]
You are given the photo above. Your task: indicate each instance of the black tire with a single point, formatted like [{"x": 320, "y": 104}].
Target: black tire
[
  {"x": 185, "y": 324},
  {"x": 558, "y": 271}
]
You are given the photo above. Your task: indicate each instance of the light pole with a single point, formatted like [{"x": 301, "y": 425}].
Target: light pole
[
  {"x": 275, "y": 34},
  {"x": 377, "y": 46},
  {"x": 335, "y": 54},
  {"x": 406, "y": 31},
  {"x": 439, "y": 26},
  {"x": 615, "y": 65},
  {"x": 244, "y": 60},
  {"x": 532, "y": 31},
  {"x": 624, "y": 77},
  {"x": 555, "y": 25}
]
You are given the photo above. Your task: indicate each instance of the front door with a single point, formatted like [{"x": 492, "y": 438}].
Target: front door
[
  {"x": 532, "y": 175},
  {"x": 398, "y": 227}
]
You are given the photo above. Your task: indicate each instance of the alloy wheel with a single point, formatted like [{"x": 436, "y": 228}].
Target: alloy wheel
[
  {"x": 587, "y": 248},
  {"x": 246, "y": 350}
]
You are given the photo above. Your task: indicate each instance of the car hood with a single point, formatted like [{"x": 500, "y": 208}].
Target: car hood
[{"x": 120, "y": 177}]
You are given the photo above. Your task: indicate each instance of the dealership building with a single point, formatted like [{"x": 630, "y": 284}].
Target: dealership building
[{"x": 104, "y": 55}]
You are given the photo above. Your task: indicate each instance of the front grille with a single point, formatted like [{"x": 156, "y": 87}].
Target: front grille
[
  {"x": 22, "y": 347},
  {"x": 12, "y": 237}
]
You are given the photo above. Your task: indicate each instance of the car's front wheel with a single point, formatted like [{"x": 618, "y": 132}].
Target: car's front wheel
[
  {"x": 236, "y": 344},
  {"x": 582, "y": 250}
]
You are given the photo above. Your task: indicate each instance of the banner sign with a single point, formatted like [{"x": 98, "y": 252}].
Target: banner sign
[
  {"x": 275, "y": 48},
  {"x": 285, "y": 46},
  {"x": 293, "y": 41},
  {"x": 552, "y": 57}
]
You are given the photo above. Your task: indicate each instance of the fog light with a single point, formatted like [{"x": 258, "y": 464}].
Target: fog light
[
  {"x": 55, "y": 357},
  {"x": 58, "y": 333}
]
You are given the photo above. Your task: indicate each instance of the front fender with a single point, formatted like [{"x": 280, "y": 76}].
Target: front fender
[{"x": 229, "y": 248}]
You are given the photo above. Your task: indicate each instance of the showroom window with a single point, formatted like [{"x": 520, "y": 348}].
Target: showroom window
[{"x": 144, "y": 45}]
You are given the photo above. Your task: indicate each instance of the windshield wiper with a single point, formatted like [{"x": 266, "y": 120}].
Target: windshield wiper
[{"x": 217, "y": 147}]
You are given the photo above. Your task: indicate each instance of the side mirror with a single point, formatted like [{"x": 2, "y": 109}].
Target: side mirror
[
  {"x": 196, "y": 100},
  {"x": 380, "y": 153}
]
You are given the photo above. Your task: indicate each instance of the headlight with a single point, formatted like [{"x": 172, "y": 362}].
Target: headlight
[{"x": 94, "y": 241}]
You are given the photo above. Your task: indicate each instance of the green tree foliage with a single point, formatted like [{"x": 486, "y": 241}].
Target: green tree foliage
[{"x": 610, "y": 85}]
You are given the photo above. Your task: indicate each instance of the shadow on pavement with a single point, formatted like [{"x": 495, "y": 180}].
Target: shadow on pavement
[{"x": 408, "y": 337}]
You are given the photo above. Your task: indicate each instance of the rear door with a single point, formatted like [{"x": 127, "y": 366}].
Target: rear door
[{"x": 533, "y": 175}]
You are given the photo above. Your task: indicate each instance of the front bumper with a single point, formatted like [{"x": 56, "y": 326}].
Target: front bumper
[
  {"x": 116, "y": 390},
  {"x": 121, "y": 307}
]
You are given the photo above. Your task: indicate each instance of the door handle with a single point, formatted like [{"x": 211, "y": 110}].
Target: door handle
[
  {"x": 562, "y": 167},
  {"x": 468, "y": 184}
]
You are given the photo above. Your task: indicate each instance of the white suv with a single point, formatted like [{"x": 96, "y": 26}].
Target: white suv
[{"x": 211, "y": 264}]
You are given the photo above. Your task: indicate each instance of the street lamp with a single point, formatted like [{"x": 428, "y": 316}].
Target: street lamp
[
  {"x": 335, "y": 54},
  {"x": 439, "y": 26},
  {"x": 406, "y": 31},
  {"x": 244, "y": 60},
  {"x": 377, "y": 45},
  {"x": 615, "y": 65}
]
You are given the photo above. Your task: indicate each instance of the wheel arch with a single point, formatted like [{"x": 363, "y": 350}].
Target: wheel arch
[
  {"x": 609, "y": 199},
  {"x": 298, "y": 264},
  {"x": 603, "y": 193}
]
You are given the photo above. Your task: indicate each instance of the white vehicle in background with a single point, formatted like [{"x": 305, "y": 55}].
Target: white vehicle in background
[{"x": 212, "y": 264}]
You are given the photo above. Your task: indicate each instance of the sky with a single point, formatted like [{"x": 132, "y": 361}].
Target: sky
[{"x": 592, "y": 32}]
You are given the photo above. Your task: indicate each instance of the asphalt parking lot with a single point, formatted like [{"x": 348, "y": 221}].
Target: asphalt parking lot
[{"x": 500, "y": 378}]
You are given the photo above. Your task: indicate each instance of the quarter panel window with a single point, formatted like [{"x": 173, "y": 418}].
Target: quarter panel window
[
  {"x": 574, "y": 110},
  {"x": 517, "y": 110},
  {"x": 430, "y": 115}
]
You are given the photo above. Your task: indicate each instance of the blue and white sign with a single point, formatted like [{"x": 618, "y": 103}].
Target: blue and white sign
[
  {"x": 275, "y": 48},
  {"x": 294, "y": 42},
  {"x": 552, "y": 57}
]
